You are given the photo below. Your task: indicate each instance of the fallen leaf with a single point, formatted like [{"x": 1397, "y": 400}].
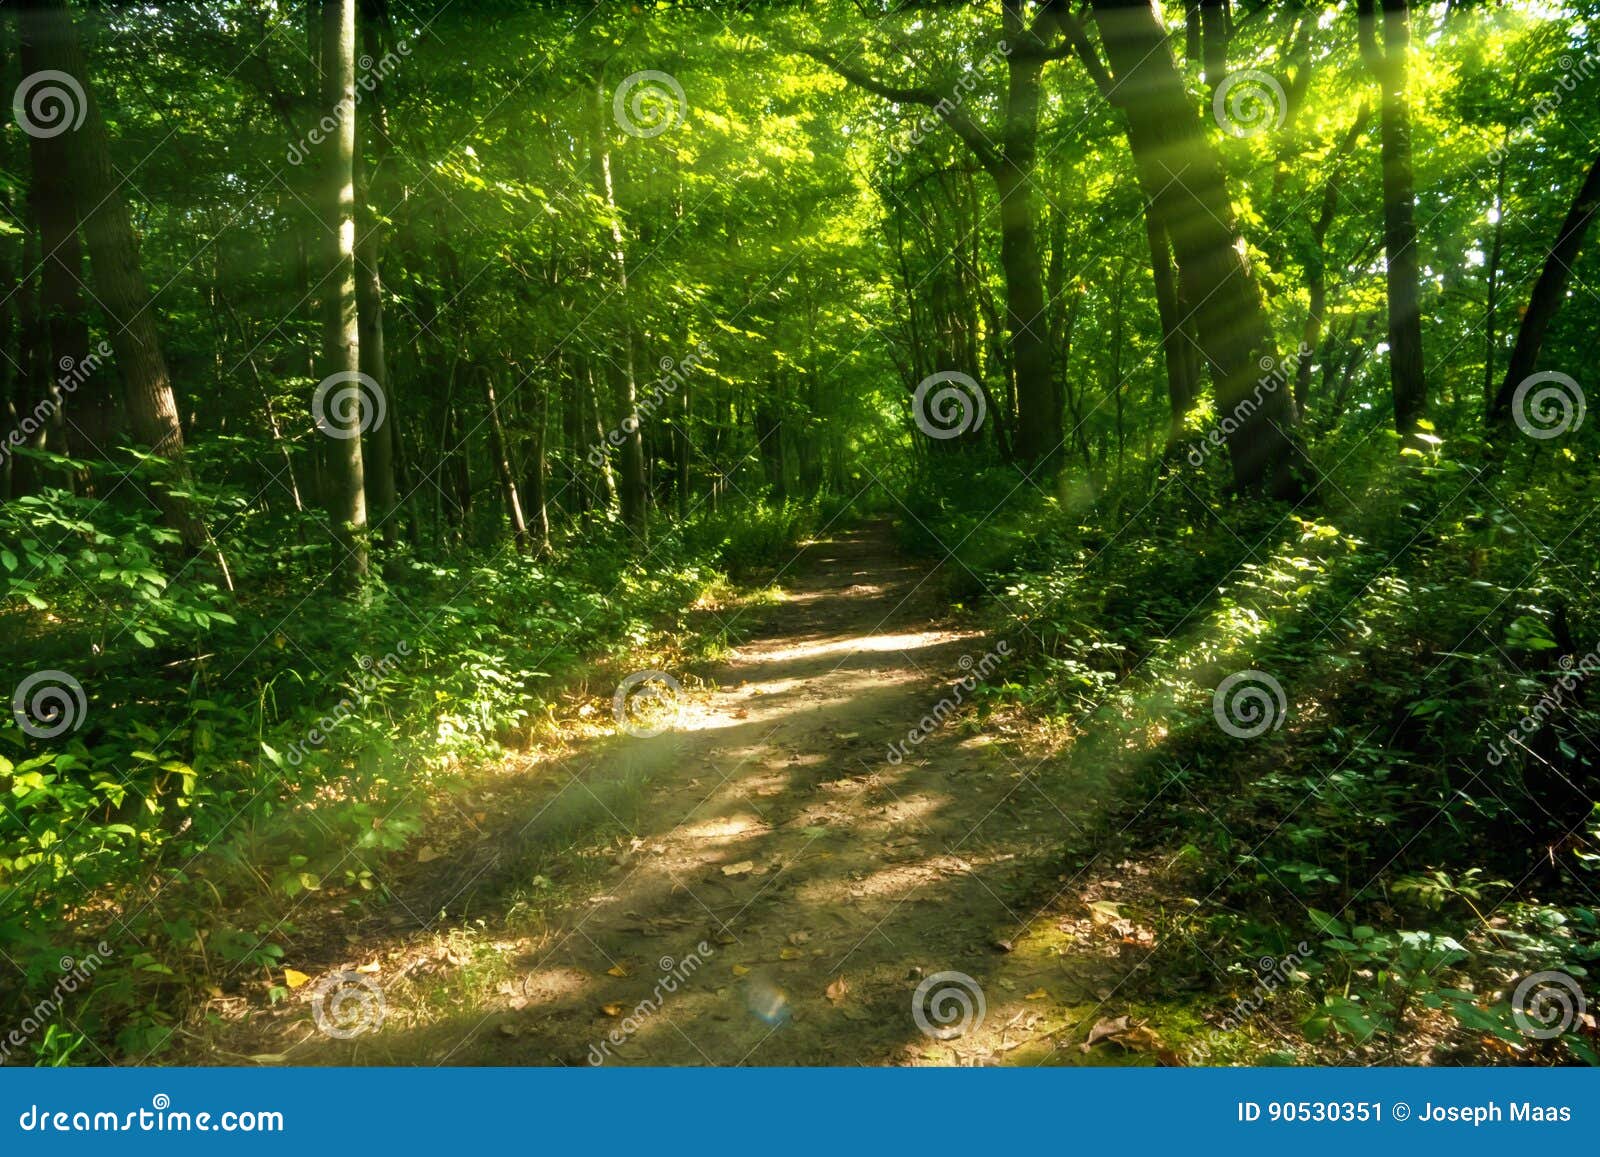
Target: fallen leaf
[
  {"x": 798, "y": 938},
  {"x": 616, "y": 970},
  {"x": 1104, "y": 1028},
  {"x": 1140, "y": 1038},
  {"x": 740, "y": 970},
  {"x": 294, "y": 978},
  {"x": 1003, "y": 945},
  {"x": 1037, "y": 994},
  {"x": 611, "y": 1009},
  {"x": 789, "y": 953},
  {"x": 1104, "y": 911},
  {"x": 742, "y": 868},
  {"x": 479, "y": 817},
  {"x": 369, "y": 968},
  {"x": 426, "y": 854},
  {"x": 836, "y": 991}
]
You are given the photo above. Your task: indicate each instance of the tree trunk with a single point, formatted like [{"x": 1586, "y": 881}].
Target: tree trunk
[
  {"x": 1316, "y": 263},
  {"x": 1402, "y": 277},
  {"x": 1549, "y": 291},
  {"x": 81, "y": 410},
  {"x": 1175, "y": 157},
  {"x": 378, "y": 453},
  {"x": 340, "y": 394},
  {"x": 634, "y": 494},
  {"x": 502, "y": 468},
  {"x": 1214, "y": 42},
  {"x": 1180, "y": 389},
  {"x": 120, "y": 288},
  {"x": 1491, "y": 298}
]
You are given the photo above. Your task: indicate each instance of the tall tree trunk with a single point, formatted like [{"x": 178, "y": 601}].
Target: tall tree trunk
[
  {"x": 502, "y": 467},
  {"x": 120, "y": 288},
  {"x": 1010, "y": 165},
  {"x": 342, "y": 404},
  {"x": 1214, "y": 38},
  {"x": 1491, "y": 297},
  {"x": 625, "y": 385},
  {"x": 1180, "y": 388},
  {"x": 1403, "y": 278},
  {"x": 1316, "y": 263},
  {"x": 1175, "y": 157},
  {"x": 83, "y": 413},
  {"x": 1038, "y": 408},
  {"x": 1549, "y": 291},
  {"x": 378, "y": 453}
]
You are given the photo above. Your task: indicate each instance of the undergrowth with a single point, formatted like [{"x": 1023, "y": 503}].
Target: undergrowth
[{"x": 1415, "y": 810}]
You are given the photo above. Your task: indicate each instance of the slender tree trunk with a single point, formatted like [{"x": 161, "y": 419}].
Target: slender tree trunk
[
  {"x": 341, "y": 415},
  {"x": 1402, "y": 277},
  {"x": 502, "y": 467},
  {"x": 378, "y": 453},
  {"x": 634, "y": 493},
  {"x": 1316, "y": 263},
  {"x": 1491, "y": 301},
  {"x": 1549, "y": 291},
  {"x": 1180, "y": 389}
]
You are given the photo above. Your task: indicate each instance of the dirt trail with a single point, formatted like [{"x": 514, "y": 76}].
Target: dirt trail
[{"x": 786, "y": 886}]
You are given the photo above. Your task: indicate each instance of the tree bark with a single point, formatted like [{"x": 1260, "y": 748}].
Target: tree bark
[
  {"x": 502, "y": 467},
  {"x": 1549, "y": 291},
  {"x": 1402, "y": 276},
  {"x": 378, "y": 454},
  {"x": 634, "y": 493},
  {"x": 1316, "y": 262},
  {"x": 1174, "y": 156},
  {"x": 114, "y": 259},
  {"x": 341, "y": 349}
]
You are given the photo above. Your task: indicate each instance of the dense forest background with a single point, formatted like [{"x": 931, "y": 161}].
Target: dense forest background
[{"x": 384, "y": 379}]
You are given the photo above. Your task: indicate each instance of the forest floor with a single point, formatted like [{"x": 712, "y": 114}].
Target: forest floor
[{"x": 761, "y": 884}]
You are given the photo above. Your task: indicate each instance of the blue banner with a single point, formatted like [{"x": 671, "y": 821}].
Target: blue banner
[{"x": 881, "y": 1111}]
